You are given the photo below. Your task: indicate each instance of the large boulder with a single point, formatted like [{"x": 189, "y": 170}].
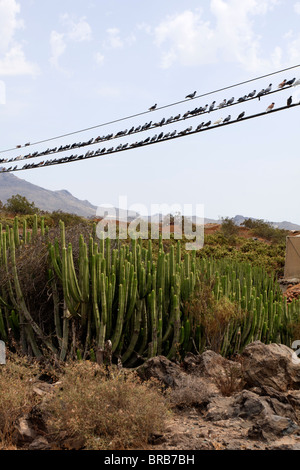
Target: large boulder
[{"x": 271, "y": 365}]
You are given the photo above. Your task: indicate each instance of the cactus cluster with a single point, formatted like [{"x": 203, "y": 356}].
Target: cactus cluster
[{"x": 123, "y": 296}]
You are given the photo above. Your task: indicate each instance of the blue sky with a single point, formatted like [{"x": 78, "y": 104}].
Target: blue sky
[{"x": 68, "y": 65}]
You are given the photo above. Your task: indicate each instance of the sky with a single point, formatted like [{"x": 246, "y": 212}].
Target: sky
[{"x": 70, "y": 65}]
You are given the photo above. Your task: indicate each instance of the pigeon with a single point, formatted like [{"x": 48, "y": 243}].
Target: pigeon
[
  {"x": 166, "y": 135},
  {"x": 212, "y": 106},
  {"x": 191, "y": 95},
  {"x": 186, "y": 114},
  {"x": 218, "y": 121},
  {"x": 170, "y": 119},
  {"x": 290, "y": 82},
  {"x": 261, "y": 93},
  {"x": 269, "y": 88},
  {"x": 177, "y": 117},
  {"x": 154, "y": 138},
  {"x": 243, "y": 98},
  {"x": 282, "y": 84},
  {"x": 200, "y": 126},
  {"x": 153, "y": 107},
  {"x": 240, "y": 116},
  {"x": 147, "y": 140},
  {"x": 297, "y": 82},
  {"x": 131, "y": 130},
  {"x": 269, "y": 108},
  {"x": 137, "y": 129},
  {"x": 230, "y": 101},
  {"x": 252, "y": 94},
  {"x": 227, "y": 119},
  {"x": 160, "y": 136},
  {"x": 207, "y": 124},
  {"x": 173, "y": 133},
  {"x": 162, "y": 121},
  {"x": 221, "y": 105},
  {"x": 289, "y": 101}
]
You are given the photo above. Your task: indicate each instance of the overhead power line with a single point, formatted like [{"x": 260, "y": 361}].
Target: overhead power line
[
  {"x": 112, "y": 137},
  {"x": 82, "y": 157},
  {"x": 147, "y": 112}
]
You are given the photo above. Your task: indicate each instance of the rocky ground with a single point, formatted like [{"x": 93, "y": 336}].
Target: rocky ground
[{"x": 250, "y": 403}]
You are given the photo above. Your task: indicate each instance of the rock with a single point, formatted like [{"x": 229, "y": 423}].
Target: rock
[
  {"x": 24, "y": 433},
  {"x": 40, "y": 443},
  {"x": 162, "y": 369},
  {"x": 272, "y": 365}
]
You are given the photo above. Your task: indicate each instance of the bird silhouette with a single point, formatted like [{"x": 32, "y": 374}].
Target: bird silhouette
[
  {"x": 252, "y": 94},
  {"x": 269, "y": 108},
  {"x": 212, "y": 106},
  {"x": 282, "y": 84},
  {"x": 240, "y": 116},
  {"x": 200, "y": 126},
  {"x": 227, "y": 119},
  {"x": 218, "y": 121},
  {"x": 191, "y": 95},
  {"x": 260, "y": 94},
  {"x": 222, "y": 104},
  {"x": 207, "y": 124},
  {"x": 153, "y": 107},
  {"x": 269, "y": 88},
  {"x": 289, "y": 101},
  {"x": 290, "y": 82}
]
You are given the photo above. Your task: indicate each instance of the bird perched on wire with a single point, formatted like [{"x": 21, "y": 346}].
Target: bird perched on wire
[
  {"x": 282, "y": 84},
  {"x": 290, "y": 82},
  {"x": 269, "y": 88},
  {"x": 222, "y": 104},
  {"x": 200, "y": 126},
  {"x": 252, "y": 94},
  {"x": 240, "y": 116},
  {"x": 212, "y": 106},
  {"x": 269, "y": 108},
  {"x": 227, "y": 119},
  {"x": 153, "y": 107},
  {"x": 289, "y": 101},
  {"x": 207, "y": 124},
  {"x": 218, "y": 121},
  {"x": 230, "y": 101},
  {"x": 261, "y": 93},
  {"x": 242, "y": 98},
  {"x": 191, "y": 95}
]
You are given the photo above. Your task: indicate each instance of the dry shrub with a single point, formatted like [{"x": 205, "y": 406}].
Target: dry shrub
[
  {"x": 213, "y": 315},
  {"x": 115, "y": 412},
  {"x": 190, "y": 393},
  {"x": 232, "y": 381},
  {"x": 17, "y": 397}
]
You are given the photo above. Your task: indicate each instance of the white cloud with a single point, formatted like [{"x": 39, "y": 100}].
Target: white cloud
[
  {"x": 99, "y": 58},
  {"x": 75, "y": 32},
  {"x": 12, "y": 56},
  {"x": 297, "y": 8},
  {"x": 78, "y": 32},
  {"x": 113, "y": 39},
  {"x": 14, "y": 63},
  {"x": 190, "y": 40}
]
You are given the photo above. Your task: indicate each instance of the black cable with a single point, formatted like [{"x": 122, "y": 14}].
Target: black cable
[
  {"x": 41, "y": 154},
  {"x": 146, "y": 112},
  {"x": 155, "y": 142}
]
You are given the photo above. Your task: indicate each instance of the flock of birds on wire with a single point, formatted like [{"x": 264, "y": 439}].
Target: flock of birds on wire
[{"x": 149, "y": 125}]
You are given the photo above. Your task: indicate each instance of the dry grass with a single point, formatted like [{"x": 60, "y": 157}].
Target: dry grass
[
  {"x": 17, "y": 396},
  {"x": 119, "y": 412}
]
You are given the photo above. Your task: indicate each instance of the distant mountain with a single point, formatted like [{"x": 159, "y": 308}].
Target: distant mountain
[
  {"x": 240, "y": 219},
  {"x": 50, "y": 201},
  {"x": 44, "y": 199},
  {"x": 63, "y": 200}
]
